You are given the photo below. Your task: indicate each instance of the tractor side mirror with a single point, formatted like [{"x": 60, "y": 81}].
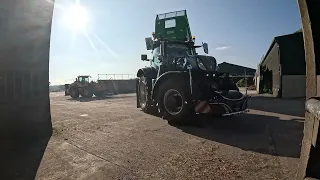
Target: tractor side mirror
[
  {"x": 144, "y": 57},
  {"x": 205, "y": 48},
  {"x": 149, "y": 43}
]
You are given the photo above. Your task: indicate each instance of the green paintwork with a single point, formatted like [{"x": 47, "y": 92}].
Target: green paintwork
[{"x": 181, "y": 30}]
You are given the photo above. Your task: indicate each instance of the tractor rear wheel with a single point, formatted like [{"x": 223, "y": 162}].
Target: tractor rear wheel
[
  {"x": 144, "y": 94},
  {"x": 87, "y": 93},
  {"x": 74, "y": 93},
  {"x": 174, "y": 100}
]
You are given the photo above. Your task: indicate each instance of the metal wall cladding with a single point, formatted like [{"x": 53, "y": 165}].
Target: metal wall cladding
[
  {"x": 24, "y": 49},
  {"x": 22, "y": 85},
  {"x": 292, "y": 54},
  {"x": 25, "y": 28},
  {"x": 272, "y": 63}
]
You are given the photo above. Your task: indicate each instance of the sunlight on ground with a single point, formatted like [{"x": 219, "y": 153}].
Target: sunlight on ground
[{"x": 277, "y": 115}]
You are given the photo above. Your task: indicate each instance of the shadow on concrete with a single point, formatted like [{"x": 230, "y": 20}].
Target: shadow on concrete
[
  {"x": 266, "y": 134},
  {"x": 24, "y": 141},
  {"x": 23, "y": 161},
  {"x": 94, "y": 98},
  {"x": 251, "y": 132},
  {"x": 291, "y": 107}
]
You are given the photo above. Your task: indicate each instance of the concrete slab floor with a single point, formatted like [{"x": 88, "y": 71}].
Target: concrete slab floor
[{"x": 115, "y": 140}]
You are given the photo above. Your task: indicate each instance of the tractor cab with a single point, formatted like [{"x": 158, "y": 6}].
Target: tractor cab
[
  {"x": 177, "y": 55},
  {"x": 83, "y": 79},
  {"x": 172, "y": 43}
]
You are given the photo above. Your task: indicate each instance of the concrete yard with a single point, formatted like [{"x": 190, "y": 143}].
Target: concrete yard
[{"x": 112, "y": 139}]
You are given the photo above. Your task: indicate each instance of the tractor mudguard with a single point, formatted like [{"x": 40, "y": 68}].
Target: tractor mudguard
[
  {"x": 149, "y": 72},
  {"x": 137, "y": 92},
  {"x": 165, "y": 76}
]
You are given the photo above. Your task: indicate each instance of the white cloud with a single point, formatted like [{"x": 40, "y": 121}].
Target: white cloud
[{"x": 221, "y": 48}]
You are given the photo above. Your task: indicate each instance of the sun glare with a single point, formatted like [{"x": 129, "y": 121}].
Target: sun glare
[{"x": 76, "y": 18}]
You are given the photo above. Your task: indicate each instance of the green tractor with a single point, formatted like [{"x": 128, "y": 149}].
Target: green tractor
[
  {"x": 86, "y": 88},
  {"x": 180, "y": 83}
]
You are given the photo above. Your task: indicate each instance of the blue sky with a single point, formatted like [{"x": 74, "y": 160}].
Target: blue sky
[{"x": 238, "y": 32}]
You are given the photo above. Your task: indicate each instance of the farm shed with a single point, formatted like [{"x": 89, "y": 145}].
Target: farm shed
[{"x": 282, "y": 72}]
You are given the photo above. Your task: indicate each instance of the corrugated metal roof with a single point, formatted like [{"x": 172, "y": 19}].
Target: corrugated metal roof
[
  {"x": 234, "y": 69},
  {"x": 278, "y": 40}
]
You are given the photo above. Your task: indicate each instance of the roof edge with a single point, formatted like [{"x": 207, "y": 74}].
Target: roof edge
[
  {"x": 291, "y": 34},
  {"x": 238, "y": 65},
  {"x": 273, "y": 42}
]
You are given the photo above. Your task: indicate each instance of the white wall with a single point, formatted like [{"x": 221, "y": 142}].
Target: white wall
[{"x": 257, "y": 83}]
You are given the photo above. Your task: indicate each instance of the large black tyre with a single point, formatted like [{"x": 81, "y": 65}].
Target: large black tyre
[
  {"x": 177, "y": 109},
  {"x": 87, "y": 93},
  {"x": 144, "y": 94},
  {"x": 74, "y": 93},
  {"x": 233, "y": 86}
]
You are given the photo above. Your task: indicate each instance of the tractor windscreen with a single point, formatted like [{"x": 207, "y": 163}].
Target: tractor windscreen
[
  {"x": 177, "y": 50},
  {"x": 83, "y": 79},
  {"x": 178, "y": 53},
  {"x": 206, "y": 63}
]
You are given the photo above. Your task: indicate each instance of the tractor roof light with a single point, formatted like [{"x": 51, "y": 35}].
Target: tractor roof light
[{"x": 193, "y": 37}]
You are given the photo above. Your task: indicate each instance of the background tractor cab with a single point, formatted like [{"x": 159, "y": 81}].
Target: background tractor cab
[{"x": 83, "y": 79}]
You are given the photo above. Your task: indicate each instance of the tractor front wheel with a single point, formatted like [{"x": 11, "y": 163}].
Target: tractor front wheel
[
  {"x": 144, "y": 94},
  {"x": 87, "y": 93},
  {"x": 174, "y": 100},
  {"x": 74, "y": 93}
]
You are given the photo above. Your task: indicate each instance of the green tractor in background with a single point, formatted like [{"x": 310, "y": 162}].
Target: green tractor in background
[
  {"x": 86, "y": 88},
  {"x": 180, "y": 83}
]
